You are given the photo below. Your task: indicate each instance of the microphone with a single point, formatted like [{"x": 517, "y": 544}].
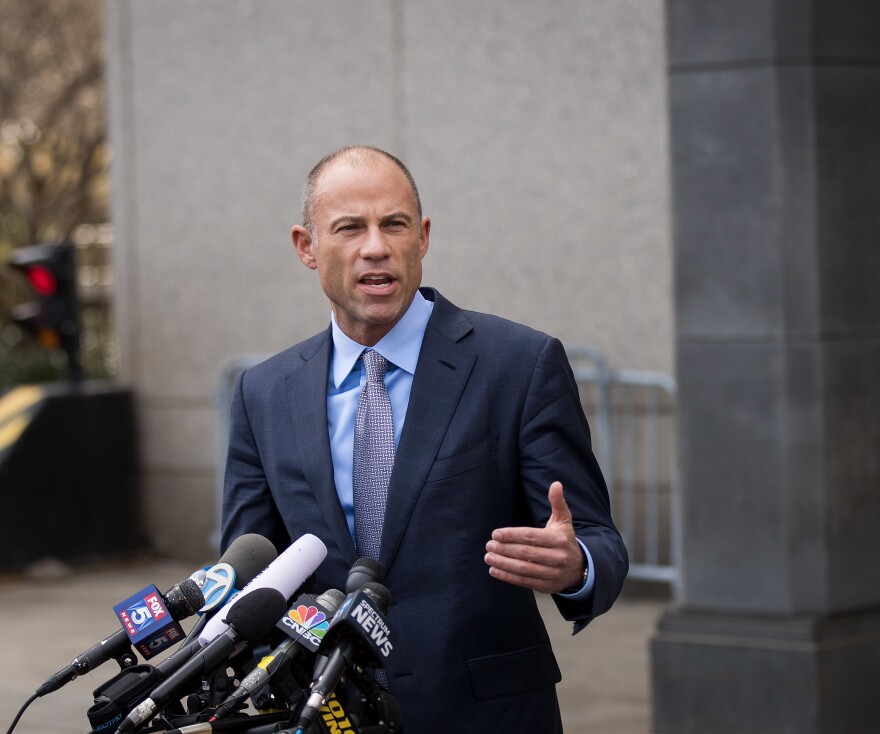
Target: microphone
[
  {"x": 285, "y": 574},
  {"x": 305, "y": 625},
  {"x": 251, "y": 619},
  {"x": 239, "y": 565},
  {"x": 358, "y": 637},
  {"x": 180, "y": 601},
  {"x": 363, "y": 571},
  {"x": 150, "y": 618}
]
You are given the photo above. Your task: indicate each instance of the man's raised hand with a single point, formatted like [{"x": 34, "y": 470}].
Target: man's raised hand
[{"x": 547, "y": 559}]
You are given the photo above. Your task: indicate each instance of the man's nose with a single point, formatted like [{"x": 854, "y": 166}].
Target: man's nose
[{"x": 374, "y": 244}]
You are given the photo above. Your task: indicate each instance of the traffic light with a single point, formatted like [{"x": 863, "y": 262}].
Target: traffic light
[{"x": 52, "y": 318}]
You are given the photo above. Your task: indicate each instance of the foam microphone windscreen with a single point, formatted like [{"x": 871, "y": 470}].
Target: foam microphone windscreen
[
  {"x": 248, "y": 555},
  {"x": 184, "y": 599},
  {"x": 255, "y": 615}
]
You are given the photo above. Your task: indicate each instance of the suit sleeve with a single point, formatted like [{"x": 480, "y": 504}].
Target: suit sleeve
[
  {"x": 555, "y": 445},
  {"x": 248, "y": 505}
]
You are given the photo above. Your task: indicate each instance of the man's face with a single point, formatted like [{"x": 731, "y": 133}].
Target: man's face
[{"x": 367, "y": 247}]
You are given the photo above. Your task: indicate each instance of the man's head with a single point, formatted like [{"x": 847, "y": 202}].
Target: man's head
[
  {"x": 357, "y": 155},
  {"x": 364, "y": 233}
]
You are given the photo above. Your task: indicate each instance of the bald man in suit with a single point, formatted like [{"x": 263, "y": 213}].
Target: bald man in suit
[{"x": 494, "y": 491}]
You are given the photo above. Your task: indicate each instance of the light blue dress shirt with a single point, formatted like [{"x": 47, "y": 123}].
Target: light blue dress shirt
[{"x": 401, "y": 347}]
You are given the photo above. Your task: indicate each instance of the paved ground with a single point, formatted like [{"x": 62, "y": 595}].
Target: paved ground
[{"x": 45, "y": 621}]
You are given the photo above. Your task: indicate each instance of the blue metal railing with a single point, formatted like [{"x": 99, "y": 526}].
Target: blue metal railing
[{"x": 632, "y": 415}]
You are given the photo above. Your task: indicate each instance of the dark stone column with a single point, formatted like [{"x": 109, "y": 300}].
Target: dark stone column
[{"x": 775, "y": 125}]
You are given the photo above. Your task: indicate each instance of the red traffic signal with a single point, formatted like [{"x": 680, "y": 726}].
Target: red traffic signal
[
  {"x": 41, "y": 278},
  {"x": 53, "y": 317}
]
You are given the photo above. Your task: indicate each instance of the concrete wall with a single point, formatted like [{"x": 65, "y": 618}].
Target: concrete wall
[{"x": 537, "y": 133}]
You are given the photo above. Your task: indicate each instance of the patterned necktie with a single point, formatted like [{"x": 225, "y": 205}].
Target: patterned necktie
[{"x": 373, "y": 456}]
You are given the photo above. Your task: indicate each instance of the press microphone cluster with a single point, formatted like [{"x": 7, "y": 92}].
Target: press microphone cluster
[
  {"x": 317, "y": 643},
  {"x": 244, "y": 559},
  {"x": 278, "y": 581}
]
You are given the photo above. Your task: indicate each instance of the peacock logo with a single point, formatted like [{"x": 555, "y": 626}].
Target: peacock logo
[{"x": 311, "y": 619}]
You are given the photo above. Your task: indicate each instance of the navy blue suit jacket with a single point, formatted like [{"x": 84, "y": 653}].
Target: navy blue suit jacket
[{"x": 494, "y": 418}]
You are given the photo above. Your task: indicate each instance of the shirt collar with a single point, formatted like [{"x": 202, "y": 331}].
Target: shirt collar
[{"x": 400, "y": 346}]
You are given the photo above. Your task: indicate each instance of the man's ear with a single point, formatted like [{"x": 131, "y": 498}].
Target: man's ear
[
  {"x": 302, "y": 243},
  {"x": 425, "y": 237}
]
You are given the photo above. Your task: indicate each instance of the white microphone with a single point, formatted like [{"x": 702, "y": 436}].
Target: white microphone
[{"x": 286, "y": 574}]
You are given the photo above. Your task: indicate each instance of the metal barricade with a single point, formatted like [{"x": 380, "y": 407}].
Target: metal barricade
[
  {"x": 228, "y": 374},
  {"x": 632, "y": 417}
]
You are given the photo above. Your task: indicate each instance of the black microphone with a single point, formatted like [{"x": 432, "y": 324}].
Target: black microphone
[
  {"x": 250, "y": 619},
  {"x": 305, "y": 624},
  {"x": 180, "y": 601},
  {"x": 363, "y": 571},
  {"x": 358, "y": 637}
]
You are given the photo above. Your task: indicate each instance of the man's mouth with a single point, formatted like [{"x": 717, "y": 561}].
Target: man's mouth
[{"x": 377, "y": 281}]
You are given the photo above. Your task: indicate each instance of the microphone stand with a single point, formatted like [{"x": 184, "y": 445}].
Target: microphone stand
[{"x": 382, "y": 704}]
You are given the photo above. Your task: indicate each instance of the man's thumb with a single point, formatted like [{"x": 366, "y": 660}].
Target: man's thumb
[{"x": 559, "y": 512}]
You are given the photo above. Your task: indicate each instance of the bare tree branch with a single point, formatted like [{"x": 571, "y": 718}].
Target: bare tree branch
[{"x": 53, "y": 148}]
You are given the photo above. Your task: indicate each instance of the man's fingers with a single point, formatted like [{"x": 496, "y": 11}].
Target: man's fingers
[
  {"x": 536, "y": 576},
  {"x": 526, "y": 539},
  {"x": 521, "y": 568},
  {"x": 528, "y": 558},
  {"x": 520, "y": 536}
]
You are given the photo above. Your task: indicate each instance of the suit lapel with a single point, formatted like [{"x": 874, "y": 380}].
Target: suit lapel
[
  {"x": 307, "y": 396},
  {"x": 443, "y": 370}
]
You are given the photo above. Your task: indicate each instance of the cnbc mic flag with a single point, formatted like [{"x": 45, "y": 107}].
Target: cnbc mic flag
[{"x": 307, "y": 621}]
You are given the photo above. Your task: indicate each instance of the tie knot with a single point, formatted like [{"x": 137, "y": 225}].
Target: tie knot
[{"x": 375, "y": 364}]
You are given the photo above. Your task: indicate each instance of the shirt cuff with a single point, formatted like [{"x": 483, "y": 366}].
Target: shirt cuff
[{"x": 587, "y": 589}]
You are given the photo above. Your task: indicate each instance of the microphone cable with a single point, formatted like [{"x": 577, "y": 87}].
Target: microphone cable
[{"x": 20, "y": 712}]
